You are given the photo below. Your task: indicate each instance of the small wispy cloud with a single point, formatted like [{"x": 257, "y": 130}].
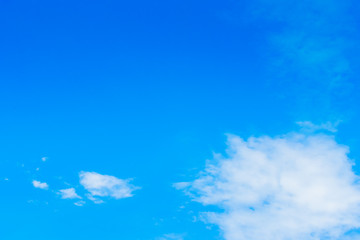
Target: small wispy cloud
[
  {"x": 171, "y": 236},
  {"x": 311, "y": 127},
  {"x": 100, "y": 185},
  {"x": 290, "y": 187},
  {"x": 41, "y": 185},
  {"x": 68, "y": 193},
  {"x": 80, "y": 203},
  {"x": 94, "y": 199}
]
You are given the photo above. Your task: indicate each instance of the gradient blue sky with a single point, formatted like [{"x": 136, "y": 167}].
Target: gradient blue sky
[{"x": 147, "y": 90}]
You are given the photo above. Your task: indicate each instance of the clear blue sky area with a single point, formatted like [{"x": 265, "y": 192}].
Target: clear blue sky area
[{"x": 147, "y": 90}]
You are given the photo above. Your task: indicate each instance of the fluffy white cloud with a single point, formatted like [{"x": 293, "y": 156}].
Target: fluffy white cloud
[
  {"x": 68, "y": 193},
  {"x": 42, "y": 185},
  {"x": 105, "y": 186},
  {"x": 292, "y": 187}
]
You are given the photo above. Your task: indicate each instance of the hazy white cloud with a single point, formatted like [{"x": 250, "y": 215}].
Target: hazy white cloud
[
  {"x": 181, "y": 185},
  {"x": 44, "y": 159},
  {"x": 307, "y": 44},
  {"x": 171, "y": 236},
  {"x": 292, "y": 187},
  {"x": 311, "y": 127},
  {"x": 42, "y": 185},
  {"x": 100, "y": 185},
  {"x": 68, "y": 193},
  {"x": 313, "y": 40}
]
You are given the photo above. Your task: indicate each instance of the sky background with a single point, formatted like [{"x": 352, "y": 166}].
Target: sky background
[{"x": 146, "y": 91}]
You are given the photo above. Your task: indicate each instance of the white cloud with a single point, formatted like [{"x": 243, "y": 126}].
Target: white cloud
[
  {"x": 44, "y": 159},
  {"x": 171, "y": 236},
  {"x": 311, "y": 127},
  {"x": 292, "y": 187},
  {"x": 94, "y": 199},
  {"x": 105, "y": 186},
  {"x": 42, "y": 185},
  {"x": 79, "y": 203},
  {"x": 68, "y": 193}
]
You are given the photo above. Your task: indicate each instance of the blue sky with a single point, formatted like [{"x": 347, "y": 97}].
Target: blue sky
[{"x": 122, "y": 101}]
